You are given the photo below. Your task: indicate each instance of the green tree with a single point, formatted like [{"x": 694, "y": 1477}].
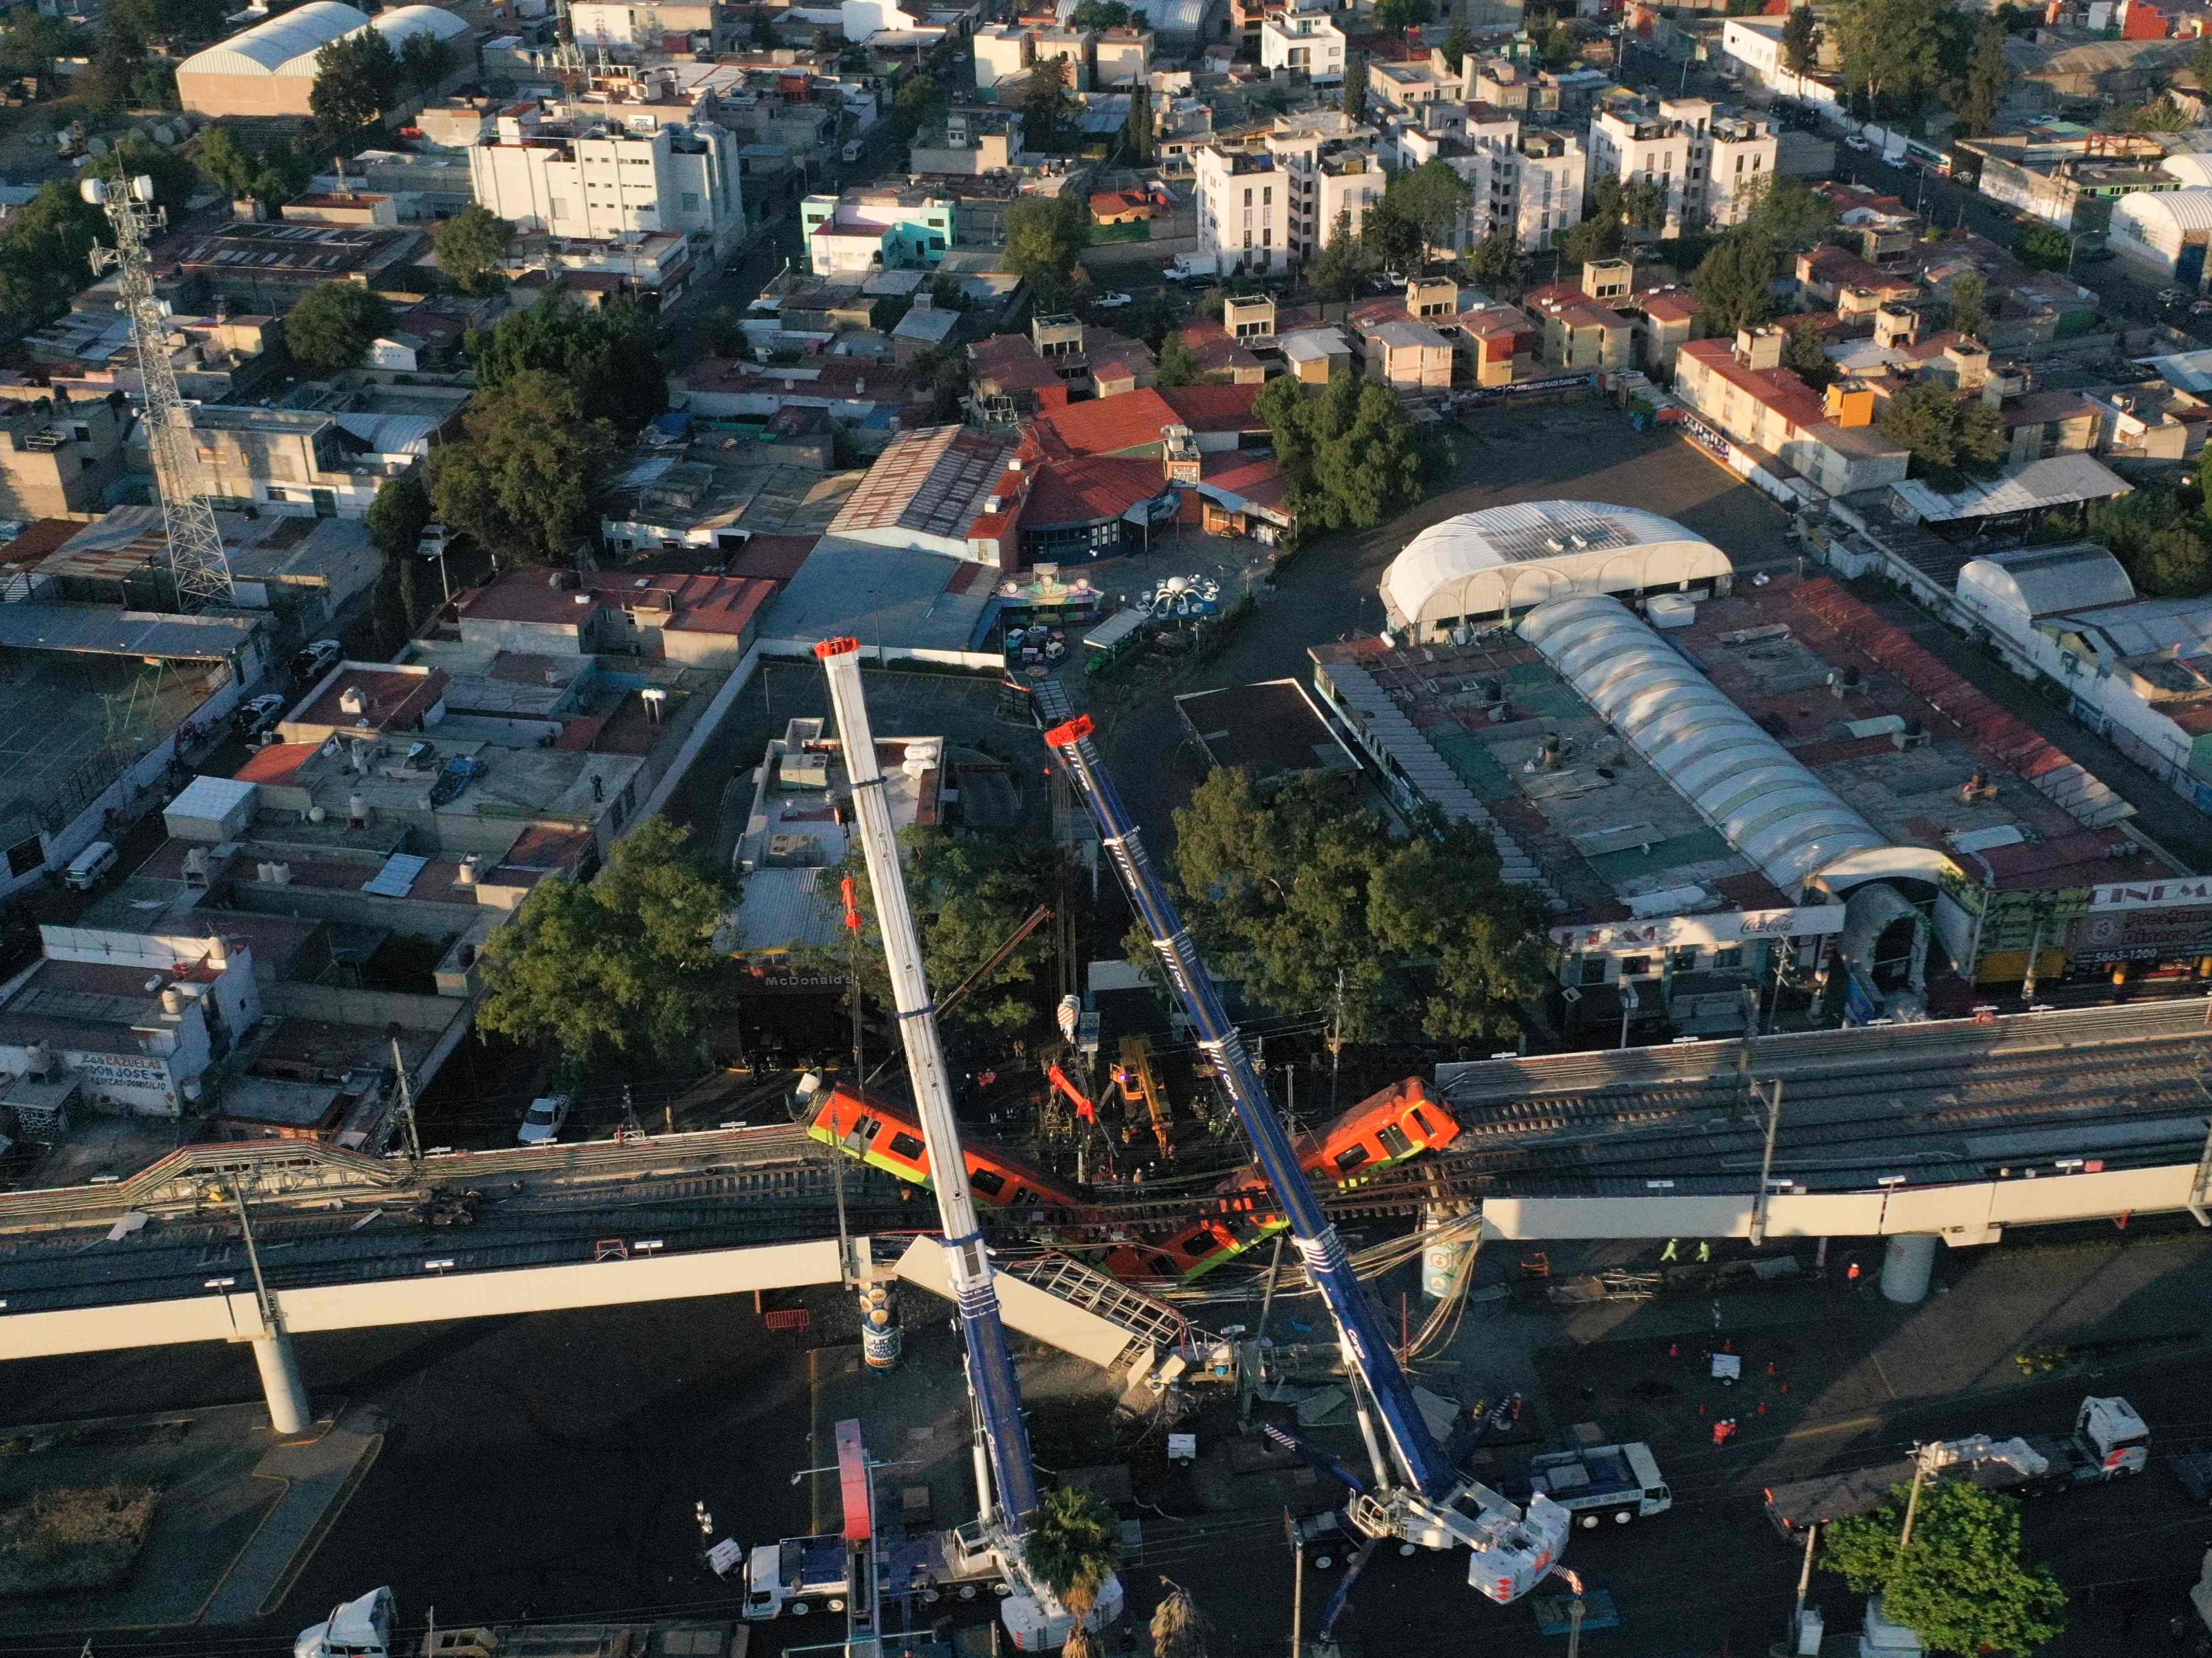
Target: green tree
[
  {"x": 626, "y": 965},
  {"x": 1293, "y": 891},
  {"x": 397, "y": 517},
  {"x": 919, "y": 103},
  {"x": 2161, "y": 114},
  {"x": 2200, "y": 63},
  {"x": 471, "y": 246},
  {"x": 1803, "y": 355},
  {"x": 1342, "y": 262},
  {"x": 329, "y": 329},
  {"x": 1457, "y": 44},
  {"x": 46, "y": 248},
  {"x": 1962, "y": 1586},
  {"x": 1592, "y": 239},
  {"x": 523, "y": 480},
  {"x": 1562, "y": 46},
  {"x": 1351, "y": 451},
  {"x": 1498, "y": 265},
  {"x": 1044, "y": 234},
  {"x": 1178, "y": 363},
  {"x": 1731, "y": 284},
  {"x": 112, "y": 83},
  {"x": 270, "y": 174},
  {"x": 2044, "y": 247},
  {"x": 1051, "y": 114},
  {"x": 2153, "y": 532},
  {"x": 722, "y": 330},
  {"x": 1396, "y": 16},
  {"x": 608, "y": 354},
  {"x": 425, "y": 60},
  {"x": 143, "y": 23},
  {"x": 176, "y": 180},
  {"x": 1784, "y": 214},
  {"x": 1801, "y": 41},
  {"x": 1432, "y": 197},
  {"x": 1143, "y": 141},
  {"x": 30, "y": 43},
  {"x": 1989, "y": 76},
  {"x": 1392, "y": 236},
  {"x": 1100, "y": 15},
  {"x": 1890, "y": 50},
  {"x": 358, "y": 78},
  {"x": 1151, "y": 319},
  {"x": 1945, "y": 434},
  {"x": 1355, "y": 85},
  {"x": 1073, "y": 1545},
  {"x": 1970, "y": 306},
  {"x": 969, "y": 892}
]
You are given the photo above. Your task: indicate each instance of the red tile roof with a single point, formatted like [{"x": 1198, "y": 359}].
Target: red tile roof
[
  {"x": 1110, "y": 426},
  {"x": 1779, "y": 389},
  {"x": 1216, "y": 351},
  {"x": 1252, "y": 477},
  {"x": 773, "y": 558},
  {"x": 1009, "y": 362},
  {"x": 1666, "y": 304},
  {"x": 276, "y": 763},
  {"x": 697, "y": 604},
  {"x": 1091, "y": 487}
]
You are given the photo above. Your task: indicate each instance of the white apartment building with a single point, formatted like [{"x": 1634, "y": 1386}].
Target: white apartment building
[
  {"x": 1706, "y": 160},
  {"x": 1075, "y": 45},
  {"x": 1530, "y": 183},
  {"x": 645, "y": 27},
  {"x": 1304, "y": 39},
  {"x": 1243, "y": 209},
  {"x": 598, "y": 180},
  {"x": 1122, "y": 57},
  {"x": 1002, "y": 54},
  {"x": 1330, "y": 167}
]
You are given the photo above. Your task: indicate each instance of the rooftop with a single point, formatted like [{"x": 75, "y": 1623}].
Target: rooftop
[
  {"x": 1609, "y": 829},
  {"x": 931, "y": 481},
  {"x": 880, "y": 596}
]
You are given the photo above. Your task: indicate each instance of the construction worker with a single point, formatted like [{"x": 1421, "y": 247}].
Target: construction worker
[
  {"x": 1705, "y": 1250},
  {"x": 1851, "y": 1276},
  {"x": 1720, "y": 1433},
  {"x": 1672, "y": 1251}
]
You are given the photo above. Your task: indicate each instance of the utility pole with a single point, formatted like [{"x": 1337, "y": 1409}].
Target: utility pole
[
  {"x": 406, "y": 1097},
  {"x": 1912, "y": 1502},
  {"x": 1804, "y": 1582},
  {"x": 1772, "y": 1101},
  {"x": 1336, "y": 1043}
]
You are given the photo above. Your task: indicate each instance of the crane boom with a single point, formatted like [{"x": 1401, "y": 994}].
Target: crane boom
[
  {"x": 1422, "y": 1499},
  {"x": 1034, "y": 1615}
]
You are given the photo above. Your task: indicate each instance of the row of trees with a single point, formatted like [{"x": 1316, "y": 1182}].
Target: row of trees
[
  {"x": 1896, "y": 55},
  {"x": 2162, "y": 532},
  {"x": 45, "y": 245},
  {"x": 1732, "y": 282}
]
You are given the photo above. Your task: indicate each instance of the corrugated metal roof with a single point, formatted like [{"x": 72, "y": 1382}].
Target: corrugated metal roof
[
  {"x": 2185, "y": 210},
  {"x": 1576, "y": 538},
  {"x": 105, "y": 631},
  {"x": 1741, "y": 780},
  {"x": 267, "y": 47},
  {"x": 2058, "y": 482},
  {"x": 2042, "y": 579}
]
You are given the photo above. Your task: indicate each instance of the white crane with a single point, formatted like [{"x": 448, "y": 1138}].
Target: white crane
[
  {"x": 1005, "y": 1474},
  {"x": 197, "y": 560}
]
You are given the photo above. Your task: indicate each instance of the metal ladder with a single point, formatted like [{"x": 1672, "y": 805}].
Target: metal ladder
[{"x": 1149, "y": 1322}]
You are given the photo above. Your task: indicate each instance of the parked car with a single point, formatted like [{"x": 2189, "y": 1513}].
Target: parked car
[
  {"x": 1110, "y": 301},
  {"x": 1853, "y": 141},
  {"x": 250, "y": 719},
  {"x": 541, "y": 1124},
  {"x": 317, "y": 657}
]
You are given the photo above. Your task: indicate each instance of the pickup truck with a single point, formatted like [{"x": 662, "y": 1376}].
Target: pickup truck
[{"x": 795, "y": 1574}]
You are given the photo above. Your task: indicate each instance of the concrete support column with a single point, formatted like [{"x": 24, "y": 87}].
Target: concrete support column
[
  {"x": 280, "y": 1383},
  {"x": 1906, "y": 1268}
]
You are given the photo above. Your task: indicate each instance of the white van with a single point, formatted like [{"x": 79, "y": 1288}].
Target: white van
[{"x": 90, "y": 866}]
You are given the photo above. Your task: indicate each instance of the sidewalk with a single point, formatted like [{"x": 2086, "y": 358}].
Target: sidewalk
[{"x": 241, "y": 1511}]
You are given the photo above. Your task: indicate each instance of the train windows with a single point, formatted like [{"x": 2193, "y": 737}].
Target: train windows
[
  {"x": 1351, "y": 1157},
  {"x": 1023, "y": 1194},
  {"x": 1428, "y": 1129},
  {"x": 906, "y": 1145},
  {"x": 987, "y": 1182},
  {"x": 868, "y": 1128},
  {"x": 1395, "y": 1141},
  {"x": 1202, "y": 1243}
]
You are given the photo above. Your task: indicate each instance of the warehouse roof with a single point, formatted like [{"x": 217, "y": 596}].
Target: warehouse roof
[
  {"x": 1744, "y": 783},
  {"x": 280, "y": 44}
]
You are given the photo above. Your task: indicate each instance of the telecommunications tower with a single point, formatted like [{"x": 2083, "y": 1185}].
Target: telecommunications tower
[{"x": 197, "y": 560}]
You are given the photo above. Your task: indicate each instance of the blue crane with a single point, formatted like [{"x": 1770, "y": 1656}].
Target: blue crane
[
  {"x": 1004, "y": 1466},
  {"x": 1418, "y": 1495}
]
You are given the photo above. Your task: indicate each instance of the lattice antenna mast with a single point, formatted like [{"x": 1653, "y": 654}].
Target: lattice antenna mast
[{"x": 197, "y": 561}]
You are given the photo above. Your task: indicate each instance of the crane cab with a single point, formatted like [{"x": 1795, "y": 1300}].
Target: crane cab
[{"x": 358, "y": 1628}]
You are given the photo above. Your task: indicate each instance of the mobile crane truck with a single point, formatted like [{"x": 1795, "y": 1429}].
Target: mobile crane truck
[
  {"x": 1416, "y": 1496},
  {"x": 2109, "y": 1440}
]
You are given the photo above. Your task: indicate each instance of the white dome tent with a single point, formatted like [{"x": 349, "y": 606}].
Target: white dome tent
[{"x": 1503, "y": 561}]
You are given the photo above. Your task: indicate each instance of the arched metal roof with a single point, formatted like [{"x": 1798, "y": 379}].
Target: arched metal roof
[
  {"x": 2192, "y": 166},
  {"x": 1506, "y": 558},
  {"x": 433, "y": 21},
  {"x": 268, "y": 48},
  {"x": 2184, "y": 210},
  {"x": 1742, "y": 781}
]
